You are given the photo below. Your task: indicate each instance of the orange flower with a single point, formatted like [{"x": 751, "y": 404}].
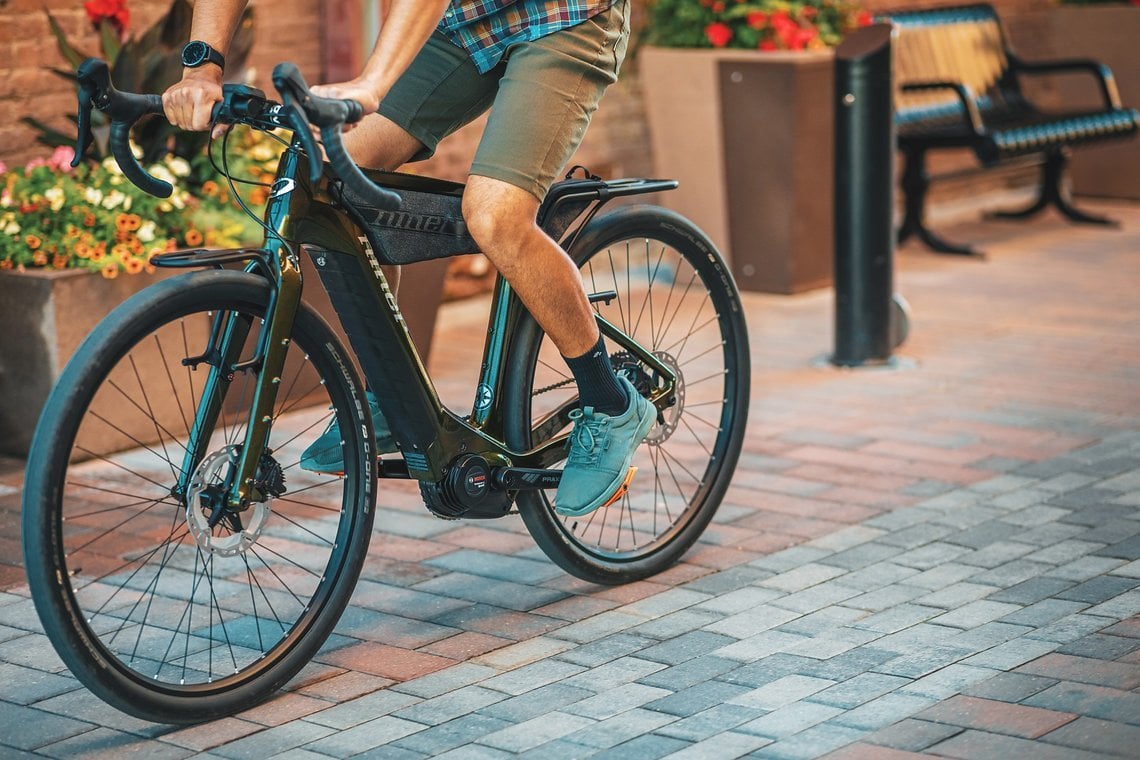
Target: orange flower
[
  {"x": 83, "y": 251},
  {"x": 135, "y": 245},
  {"x": 193, "y": 237},
  {"x": 110, "y": 271},
  {"x": 171, "y": 245},
  {"x": 150, "y": 268},
  {"x": 121, "y": 251},
  {"x": 89, "y": 220},
  {"x": 32, "y": 241},
  {"x": 128, "y": 222},
  {"x": 40, "y": 259},
  {"x": 259, "y": 195},
  {"x": 133, "y": 265},
  {"x": 5, "y": 263},
  {"x": 97, "y": 256},
  {"x": 101, "y": 247},
  {"x": 59, "y": 262},
  {"x": 210, "y": 187}
]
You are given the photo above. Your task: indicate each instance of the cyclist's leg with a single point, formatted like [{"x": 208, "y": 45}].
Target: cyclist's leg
[{"x": 549, "y": 91}]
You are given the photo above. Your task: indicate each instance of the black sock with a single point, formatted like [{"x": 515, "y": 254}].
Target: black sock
[{"x": 598, "y": 386}]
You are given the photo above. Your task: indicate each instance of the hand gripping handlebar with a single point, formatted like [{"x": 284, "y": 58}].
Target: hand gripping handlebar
[{"x": 299, "y": 111}]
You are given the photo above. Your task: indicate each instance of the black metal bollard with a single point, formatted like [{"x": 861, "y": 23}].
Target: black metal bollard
[{"x": 869, "y": 322}]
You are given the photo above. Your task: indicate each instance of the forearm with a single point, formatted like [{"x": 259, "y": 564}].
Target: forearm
[
  {"x": 214, "y": 23},
  {"x": 407, "y": 26}
]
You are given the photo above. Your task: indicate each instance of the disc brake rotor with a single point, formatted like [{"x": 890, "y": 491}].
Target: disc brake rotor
[
  {"x": 227, "y": 537},
  {"x": 662, "y": 431}
]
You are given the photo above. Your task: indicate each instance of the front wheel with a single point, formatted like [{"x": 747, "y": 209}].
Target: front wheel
[
  {"x": 675, "y": 297},
  {"x": 166, "y": 604}
]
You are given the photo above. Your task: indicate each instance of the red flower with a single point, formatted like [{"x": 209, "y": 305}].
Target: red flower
[
  {"x": 864, "y": 18},
  {"x": 113, "y": 11},
  {"x": 768, "y": 45},
  {"x": 757, "y": 19},
  {"x": 718, "y": 34}
]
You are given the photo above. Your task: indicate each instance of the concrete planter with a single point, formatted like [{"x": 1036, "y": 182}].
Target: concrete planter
[
  {"x": 1109, "y": 34},
  {"x": 750, "y": 137},
  {"x": 47, "y": 314}
]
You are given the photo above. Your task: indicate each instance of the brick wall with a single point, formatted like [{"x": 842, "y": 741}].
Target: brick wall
[{"x": 28, "y": 49}]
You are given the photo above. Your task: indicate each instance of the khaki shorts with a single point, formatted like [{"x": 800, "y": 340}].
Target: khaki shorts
[{"x": 541, "y": 97}]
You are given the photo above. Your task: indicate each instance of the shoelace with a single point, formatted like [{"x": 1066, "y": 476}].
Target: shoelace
[{"x": 588, "y": 428}]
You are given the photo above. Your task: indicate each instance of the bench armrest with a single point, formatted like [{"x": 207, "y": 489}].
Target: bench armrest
[
  {"x": 1103, "y": 74},
  {"x": 964, "y": 94}
]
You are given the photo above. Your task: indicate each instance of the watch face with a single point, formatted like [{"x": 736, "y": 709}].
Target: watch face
[{"x": 194, "y": 54}]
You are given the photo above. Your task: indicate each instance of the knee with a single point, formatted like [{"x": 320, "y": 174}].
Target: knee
[{"x": 498, "y": 221}]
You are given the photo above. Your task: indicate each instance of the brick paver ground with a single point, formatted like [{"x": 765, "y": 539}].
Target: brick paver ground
[{"x": 941, "y": 559}]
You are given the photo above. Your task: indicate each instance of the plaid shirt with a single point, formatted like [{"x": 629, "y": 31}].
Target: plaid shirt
[{"x": 486, "y": 28}]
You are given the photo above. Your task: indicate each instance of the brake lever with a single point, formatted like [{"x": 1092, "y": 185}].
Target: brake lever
[
  {"x": 84, "y": 136},
  {"x": 303, "y": 130}
]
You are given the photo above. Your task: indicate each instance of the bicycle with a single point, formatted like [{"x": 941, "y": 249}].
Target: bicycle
[{"x": 182, "y": 564}]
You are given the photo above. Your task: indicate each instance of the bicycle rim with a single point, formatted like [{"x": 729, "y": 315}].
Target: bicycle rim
[
  {"x": 673, "y": 297},
  {"x": 160, "y": 607}
]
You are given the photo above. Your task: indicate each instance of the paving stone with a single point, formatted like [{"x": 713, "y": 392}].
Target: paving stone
[
  {"x": 374, "y": 733},
  {"x": 999, "y": 717},
  {"x": 608, "y": 703},
  {"x": 677, "y": 677},
  {"x": 1100, "y": 646},
  {"x": 1070, "y": 628},
  {"x": 1123, "y": 606},
  {"x": 1031, "y": 591},
  {"x": 887, "y": 596},
  {"x": 474, "y": 752},
  {"x": 1099, "y": 589},
  {"x": 697, "y": 698},
  {"x": 597, "y": 627},
  {"x": 749, "y": 623},
  {"x": 975, "y": 614},
  {"x": 648, "y": 747},
  {"x": 846, "y": 538},
  {"x": 443, "y": 681},
  {"x": 451, "y": 705},
  {"x": 729, "y": 580},
  {"x": 816, "y": 598},
  {"x": 497, "y": 566},
  {"x": 883, "y": 711},
  {"x": 984, "y": 534},
  {"x": 620, "y": 728},
  {"x": 37, "y": 728},
  {"x": 930, "y": 555},
  {"x": 614, "y": 673},
  {"x": 531, "y": 733},
  {"x": 455, "y": 733},
  {"x": 898, "y": 618},
  {"x": 1094, "y": 735},
  {"x": 855, "y": 691},
  {"x": 823, "y": 621},
  {"x": 532, "y": 676},
  {"x": 676, "y": 624},
  {"x": 956, "y": 595},
  {"x": 917, "y": 638},
  {"x": 971, "y": 745},
  {"x": 1086, "y": 568},
  {"x": 943, "y": 575},
  {"x": 1009, "y": 687},
  {"x": 1128, "y": 549},
  {"x": 545, "y": 699},
  {"x": 861, "y": 556},
  {"x": 923, "y": 662},
  {"x": 362, "y": 709},
  {"x": 709, "y": 722},
  {"x": 498, "y": 593},
  {"x": 1011, "y": 573},
  {"x": 1008, "y": 655},
  {"x": 280, "y": 739},
  {"x": 761, "y": 645},
  {"x": 787, "y": 559},
  {"x": 1064, "y": 667},
  {"x": 605, "y": 649},
  {"x": 912, "y": 735},
  {"x": 739, "y": 600},
  {"x": 106, "y": 742},
  {"x": 790, "y": 719},
  {"x": 1050, "y": 535},
  {"x": 1093, "y": 701},
  {"x": 769, "y": 669},
  {"x": 948, "y": 681},
  {"x": 1044, "y": 612},
  {"x": 813, "y": 742},
  {"x": 23, "y": 686},
  {"x": 523, "y": 653},
  {"x": 801, "y": 577},
  {"x": 780, "y": 692},
  {"x": 725, "y": 745}
]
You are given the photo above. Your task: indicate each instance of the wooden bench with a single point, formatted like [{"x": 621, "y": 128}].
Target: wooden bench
[{"x": 958, "y": 86}]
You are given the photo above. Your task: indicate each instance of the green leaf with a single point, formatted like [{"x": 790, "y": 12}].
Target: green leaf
[
  {"x": 48, "y": 136},
  {"x": 73, "y": 56},
  {"x": 110, "y": 39}
]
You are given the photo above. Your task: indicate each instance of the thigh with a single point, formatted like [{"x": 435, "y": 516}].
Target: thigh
[
  {"x": 439, "y": 93},
  {"x": 548, "y": 93}
]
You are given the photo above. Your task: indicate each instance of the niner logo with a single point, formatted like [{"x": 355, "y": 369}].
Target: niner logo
[
  {"x": 402, "y": 220},
  {"x": 388, "y": 297}
]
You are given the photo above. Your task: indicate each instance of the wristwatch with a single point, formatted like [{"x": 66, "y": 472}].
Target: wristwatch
[{"x": 198, "y": 53}]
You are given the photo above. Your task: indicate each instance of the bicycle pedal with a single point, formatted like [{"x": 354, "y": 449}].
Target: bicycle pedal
[{"x": 623, "y": 489}]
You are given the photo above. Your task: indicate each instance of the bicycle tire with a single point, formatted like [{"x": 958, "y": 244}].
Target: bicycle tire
[
  {"x": 669, "y": 278},
  {"x": 155, "y": 619}
]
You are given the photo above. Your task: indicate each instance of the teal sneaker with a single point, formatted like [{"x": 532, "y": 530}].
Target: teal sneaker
[
  {"x": 325, "y": 455},
  {"x": 597, "y": 471}
]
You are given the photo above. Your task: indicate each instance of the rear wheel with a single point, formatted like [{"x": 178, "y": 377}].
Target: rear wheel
[
  {"x": 676, "y": 298},
  {"x": 168, "y": 606}
]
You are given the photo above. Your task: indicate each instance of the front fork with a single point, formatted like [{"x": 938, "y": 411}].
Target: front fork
[{"x": 228, "y": 334}]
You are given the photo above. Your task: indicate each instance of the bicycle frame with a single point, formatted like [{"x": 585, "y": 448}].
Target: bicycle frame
[{"x": 301, "y": 212}]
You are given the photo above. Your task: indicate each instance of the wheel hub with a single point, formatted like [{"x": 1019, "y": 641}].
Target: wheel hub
[{"x": 213, "y": 527}]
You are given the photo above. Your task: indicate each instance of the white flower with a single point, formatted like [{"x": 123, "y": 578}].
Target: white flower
[
  {"x": 146, "y": 231},
  {"x": 179, "y": 166},
  {"x": 54, "y": 195},
  {"x": 165, "y": 206},
  {"x": 113, "y": 200},
  {"x": 93, "y": 195},
  {"x": 177, "y": 201},
  {"x": 112, "y": 166},
  {"x": 12, "y": 228},
  {"x": 158, "y": 171}
]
